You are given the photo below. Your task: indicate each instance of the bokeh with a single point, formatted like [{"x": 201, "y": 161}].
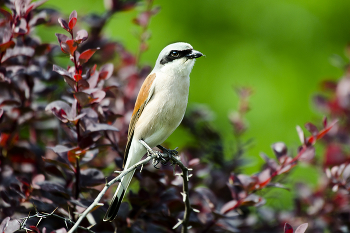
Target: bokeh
[{"x": 282, "y": 49}]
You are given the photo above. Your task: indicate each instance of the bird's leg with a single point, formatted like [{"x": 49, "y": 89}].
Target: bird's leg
[
  {"x": 151, "y": 152},
  {"x": 161, "y": 157},
  {"x": 168, "y": 151}
]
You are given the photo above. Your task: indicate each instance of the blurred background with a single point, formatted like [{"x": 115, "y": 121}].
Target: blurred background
[{"x": 282, "y": 49}]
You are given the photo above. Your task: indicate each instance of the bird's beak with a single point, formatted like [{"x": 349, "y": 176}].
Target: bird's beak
[{"x": 194, "y": 54}]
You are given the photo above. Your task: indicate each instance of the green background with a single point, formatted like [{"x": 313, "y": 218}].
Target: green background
[{"x": 279, "y": 48}]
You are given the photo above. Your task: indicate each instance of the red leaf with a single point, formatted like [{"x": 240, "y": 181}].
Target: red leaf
[
  {"x": 86, "y": 55},
  {"x": 288, "y": 228},
  {"x": 35, "y": 229},
  {"x": 4, "y": 46},
  {"x": 72, "y": 20},
  {"x": 77, "y": 77},
  {"x": 69, "y": 46},
  {"x": 229, "y": 206},
  {"x": 323, "y": 132},
  {"x": 7, "y": 14},
  {"x": 106, "y": 71}
]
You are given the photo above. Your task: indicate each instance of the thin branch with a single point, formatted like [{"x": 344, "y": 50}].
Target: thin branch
[
  {"x": 45, "y": 215},
  {"x": 153, "y": 155},
  {"x": 169, "y": 154},
  {"x": 103, "y": 191}
]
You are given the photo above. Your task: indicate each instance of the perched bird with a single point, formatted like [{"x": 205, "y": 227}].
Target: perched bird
[{"x": 159, "y": 109}]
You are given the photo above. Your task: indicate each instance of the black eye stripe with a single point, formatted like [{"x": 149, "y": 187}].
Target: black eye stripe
[{"x": 171, "y": 56}]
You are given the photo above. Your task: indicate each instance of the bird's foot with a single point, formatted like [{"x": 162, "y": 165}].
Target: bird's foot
[
  {"x": 160, "y": 157},
  {"x": 168, "y": 151}
]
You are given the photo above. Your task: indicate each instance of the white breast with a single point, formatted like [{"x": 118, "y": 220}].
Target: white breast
[{"x": 165, "y": 110}]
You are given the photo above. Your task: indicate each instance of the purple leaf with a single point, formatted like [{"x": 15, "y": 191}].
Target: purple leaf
[
  {"x": 61, "y": 37},
  {"x": 58, "y": 104},
  {"x": 83, "y": 98},
  {"x": 86, "y": 142},
  {"x": 93, "y": 79},
  {"x": 66, "y": 75},
  {"x": 302, "y": 228},
  {"x": 52, "y": 187},
  {"x": 308, "y": 154},
  {"x": 72, "y": 19},
  {"x": 106, "y": 71},
  {"x": 60, "y": 149},
  {"x": 92, "y": 177},
  {"x": 269, "y": 162},
  {"x": 38, "y": 19},
  {"x": 83, "y": 84},
  {"x": 71, "y": 82},
  {"x": 311, "y": 128},
  {"x": 21, "y": 27},
  {"x": 98, "y": 96},
  {"x": 9, "y": 226},
  {"x": 63, "y": 24},
  {"x": 288, "y": 228},
  {"x": 11, "y": 103},
  {"x": 5, "y": 196},
  {"x": 100, "y": 127},
  {"x": 61, "y": 71},
  {"x": 280, "y": 149},
  {"x": 18, "y": 51},
  {"x": 82, "y": 36},
  {"x": 228, "y": 206}
]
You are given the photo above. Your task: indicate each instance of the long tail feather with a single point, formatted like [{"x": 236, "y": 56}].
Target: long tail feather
[{"x": 118, "y": 197}]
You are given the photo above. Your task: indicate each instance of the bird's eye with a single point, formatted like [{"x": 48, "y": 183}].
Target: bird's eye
[{"x": 174, "y": 54}]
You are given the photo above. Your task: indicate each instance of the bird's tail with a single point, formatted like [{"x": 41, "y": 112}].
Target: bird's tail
[
  {"x": 135, "y": 154},
  {"x": 118, "y": 197}
]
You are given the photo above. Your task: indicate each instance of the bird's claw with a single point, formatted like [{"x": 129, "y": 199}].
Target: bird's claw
[{"x": 161, "y": 157}]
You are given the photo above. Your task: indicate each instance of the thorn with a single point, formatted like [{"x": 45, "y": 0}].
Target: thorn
[
  {"x": 183, "y": 196},
  {"x": 189, "y": 227},
  {"x": 54, "y": 210},
  {"x": 118, "y": 172},
  {"x": 178, "y": 224},
  {"x": 89, "y": 227},
  {"x": 195, "y": 210},
  {"x": 190, "y": 175},
  {"x": 141, "y": 168},
  {"x": 189, "y": 169}
]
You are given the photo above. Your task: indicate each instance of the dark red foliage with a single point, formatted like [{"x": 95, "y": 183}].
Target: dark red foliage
[{"x": 63, "y": 131}]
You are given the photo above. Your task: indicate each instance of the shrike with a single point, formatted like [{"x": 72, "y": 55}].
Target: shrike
[{"x": 159, "y": 109}]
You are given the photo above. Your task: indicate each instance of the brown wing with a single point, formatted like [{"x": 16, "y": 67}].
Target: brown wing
[{"x": 141, "y": 101}]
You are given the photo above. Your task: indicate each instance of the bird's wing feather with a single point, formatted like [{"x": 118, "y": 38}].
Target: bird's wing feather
[{"x": 143, "y": 98}]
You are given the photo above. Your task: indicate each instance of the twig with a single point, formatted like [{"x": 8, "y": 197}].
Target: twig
[
  {"x": 170, "y": 155},
  {"x": 103, "y": 191},
  {"x": 45, "y": 215},
  {"x": 153, "y": 155}
]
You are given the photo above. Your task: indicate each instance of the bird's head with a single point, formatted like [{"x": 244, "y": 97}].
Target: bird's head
[{"x": 177, "y": 57}]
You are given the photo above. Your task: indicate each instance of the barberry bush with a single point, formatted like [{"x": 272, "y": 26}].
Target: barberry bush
[{"x": 64, "y": 129}]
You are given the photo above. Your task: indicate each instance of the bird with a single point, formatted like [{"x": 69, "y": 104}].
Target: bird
[{"x": 159, "y": 109}]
